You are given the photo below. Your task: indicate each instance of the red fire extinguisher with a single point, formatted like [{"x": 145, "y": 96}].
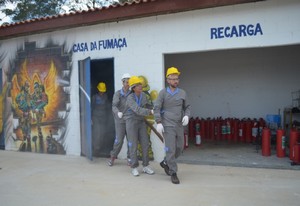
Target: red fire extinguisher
[
  {"x": 296, "y": 155},
  {"x": 198, "y": 136},
  {"x": 228, "y": 129},
  {"x": 186, "y": 140},
  {"x": 248, "y": 131},
  {"x": 280, "y": 143},
  {"x": 218, "y": 129},
  {"x": 266, "y": 142},
  {"x": 254, "y": 130},
  {"x": 192, "y": 129},
  {"x": 212, "y": 129},
  {"x": 242, "y": 131},
  {"x": 235, "y": 130},
  {"x": 294, "y": 135}
]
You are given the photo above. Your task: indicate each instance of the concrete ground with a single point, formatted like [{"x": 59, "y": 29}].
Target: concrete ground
[
  {"x": 41, "y": 179},
  {"x": 235, "y": 155}
]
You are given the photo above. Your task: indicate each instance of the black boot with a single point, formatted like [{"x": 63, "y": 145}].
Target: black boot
[
  {"x": 174, "y": 179},
  {"x": 164, "y": 165}
]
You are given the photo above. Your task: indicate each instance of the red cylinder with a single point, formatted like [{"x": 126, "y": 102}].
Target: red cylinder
[
  {"x": 294, "y": 135},
  {"x": 186, "y": 140},
  {"x": 202, "y": 128},
  {"x": 192, "y": 129},
  {"x": 280, "y": 143},
  {"x": 254, "y": 133},
  {"x": 198, "y": 139},
  {"x": 266, "y": 142},
  {"x": 296, "y": 154},
  {"x": 217, "y": 130},
  {"x": 229, "y": 129},
  {"x": 206, "y": 126},
  {"x": 248, "y": 131},
  {"x": 212, "y": 129},
  {"x": 242, "y": 127},
  {"x": 235, "y": 130},
  {"x": 223, "y": 129}
]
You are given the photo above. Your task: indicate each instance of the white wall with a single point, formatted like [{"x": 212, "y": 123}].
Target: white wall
[{"x": 148, "y": 39}]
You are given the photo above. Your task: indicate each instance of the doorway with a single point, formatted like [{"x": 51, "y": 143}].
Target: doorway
[{"x": 102, "y": 70}]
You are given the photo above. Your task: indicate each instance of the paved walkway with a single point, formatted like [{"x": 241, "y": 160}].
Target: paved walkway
[{"x": 42, "y": 180}]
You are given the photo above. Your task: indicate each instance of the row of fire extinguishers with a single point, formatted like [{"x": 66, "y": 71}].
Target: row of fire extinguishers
[{"x": 218, "y": 129}]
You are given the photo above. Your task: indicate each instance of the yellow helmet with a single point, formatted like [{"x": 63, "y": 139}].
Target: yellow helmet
[
  {"x": 153, "y": 95},
  {"x": 101, "y": 87},
  {"x": 134, "y": 80},
  {"x": 172, "y": 70},
  {"x": 145, "y": 84}
]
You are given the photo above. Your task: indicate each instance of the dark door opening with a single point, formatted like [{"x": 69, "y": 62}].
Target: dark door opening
[{"x": 103, "y": 71}]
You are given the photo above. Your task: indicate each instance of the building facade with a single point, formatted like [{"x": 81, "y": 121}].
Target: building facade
[{"x": 237, "y": 60}]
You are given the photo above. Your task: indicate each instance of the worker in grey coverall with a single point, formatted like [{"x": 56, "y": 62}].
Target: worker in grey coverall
[
  {"x": 118, "y": 108},
  {"x": 100, "y": 109},
  {"x": 171, "y": 113},
  {"x": 135, "y": 125}
]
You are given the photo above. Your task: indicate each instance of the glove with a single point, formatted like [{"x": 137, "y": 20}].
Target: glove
[
  {"x": 185, "y": 120},
  {"x": 152, "y": 111},
  {"x": 120, "y": 115},
  {"x": 160, "y": 128}
]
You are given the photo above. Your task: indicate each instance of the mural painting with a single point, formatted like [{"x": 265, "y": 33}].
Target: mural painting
[{"x": 40, "y": 99}]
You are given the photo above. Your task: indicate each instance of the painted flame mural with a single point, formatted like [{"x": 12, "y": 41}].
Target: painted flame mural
[{"x": 39, "y": 101}]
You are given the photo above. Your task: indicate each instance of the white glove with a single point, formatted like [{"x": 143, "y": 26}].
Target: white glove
[
  {"x": 160, "y": 128},
  {"x": 185, "y": 120},
  {"x": 120, "y": 115},
  {"x": 152, "y": 111}
]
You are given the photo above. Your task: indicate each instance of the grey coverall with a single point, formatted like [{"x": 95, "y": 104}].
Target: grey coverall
[
  {"x": 119, "y": 105},
  {"x": 100, "y": 108},
  {"x": 136, "y": 127},
  {"x": 169, "y": 109}
]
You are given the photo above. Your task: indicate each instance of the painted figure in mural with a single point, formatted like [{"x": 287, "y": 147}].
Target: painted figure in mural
[
  {"x": 135, "y": 125},
  {"x": 100, "y": 109},
  {"x": 171, "y": 113},
  {"x": 39, "y": 101},
  {"x": 150, "y": 98},
  {"x": 23, "y": 100},
  {"x": 118, "y": 108}
]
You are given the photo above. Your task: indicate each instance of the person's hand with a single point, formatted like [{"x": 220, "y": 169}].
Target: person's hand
[
  {"x": 185, "y": 120},
  {"x": 152, "y": 111},
  {"x": 120, "y": 115},
  {"x": 160, "y": 128}
]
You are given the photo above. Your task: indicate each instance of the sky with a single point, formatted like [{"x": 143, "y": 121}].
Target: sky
[{"x": 2, "y": 15}]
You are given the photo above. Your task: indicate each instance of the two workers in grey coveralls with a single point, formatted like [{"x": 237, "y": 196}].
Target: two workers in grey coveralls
[
  {"x": 129, "y": 108},
  {"x": 171, "y": 113}
]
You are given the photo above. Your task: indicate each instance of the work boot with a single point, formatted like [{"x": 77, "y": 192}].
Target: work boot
[
  {"x": 111, "y": 161},
  {"x": 174, "y": 178},
  {"x": 164, "y": 165}
]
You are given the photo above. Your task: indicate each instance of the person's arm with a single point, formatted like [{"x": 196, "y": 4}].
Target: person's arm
[
  {"x": 158, "y": 106},
  {"x": 131, "y": 103},
  {"x": 116, "y": 102},
  {"x": 186, "y": 106}
]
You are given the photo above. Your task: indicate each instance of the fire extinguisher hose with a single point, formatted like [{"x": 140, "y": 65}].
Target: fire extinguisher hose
[{"x": 154, "y": 130}]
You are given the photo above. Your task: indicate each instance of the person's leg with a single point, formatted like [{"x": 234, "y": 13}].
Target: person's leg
[
  {"x": 144, "y": 141},
  {"x": 132, "y": 132},
  {"x": 118, "y": 143},
  {"x": 170, "y": 148}
]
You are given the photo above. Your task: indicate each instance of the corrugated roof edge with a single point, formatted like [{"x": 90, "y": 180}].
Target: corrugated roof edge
[{"x": 115, "y": 13}]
